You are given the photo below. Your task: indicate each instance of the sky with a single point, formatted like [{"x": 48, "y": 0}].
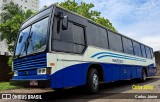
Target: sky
[{"x": 138, "y": 19}]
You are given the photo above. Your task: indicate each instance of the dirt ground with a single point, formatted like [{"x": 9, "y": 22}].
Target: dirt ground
[{"x": 111, "y": 92}]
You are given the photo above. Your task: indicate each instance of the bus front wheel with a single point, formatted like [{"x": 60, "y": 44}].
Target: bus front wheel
[{"x": 93, "y": 81}]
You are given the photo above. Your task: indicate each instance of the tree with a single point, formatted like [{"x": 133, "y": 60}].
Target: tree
[
  {"x": 9, "y": 30},
  {"x": 105, "y": 22},
  {"x": 10, "y": 10},
  {"x": 45, "y": 6},
  {"x": 11, "y": 19},
  {"x": 85, "y": 10}
]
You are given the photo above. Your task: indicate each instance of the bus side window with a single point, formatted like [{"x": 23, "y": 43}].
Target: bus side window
[
  {"x": 148, "y": 52},
  {"x": 97, "y": 36},
  {"x": 127, "y": 44},
  {"x": 70, "y": 40},
  {"x": 103, "y": 42},
  {"x": 151, "y": 50},
  {"x": 137, "y": 49},
  {"x": 79, "y": 38},
  {"x": 115, "y": 41},
  {"x": 143, "y": 51}
]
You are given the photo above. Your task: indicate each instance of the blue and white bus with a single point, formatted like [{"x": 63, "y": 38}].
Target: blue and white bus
[{"x": 57, "y": 48}]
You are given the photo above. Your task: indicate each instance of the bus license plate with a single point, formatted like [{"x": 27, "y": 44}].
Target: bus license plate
[{"x": 33, "y": 83}]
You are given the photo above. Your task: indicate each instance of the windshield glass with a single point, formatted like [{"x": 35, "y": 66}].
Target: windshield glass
[
  {"x": 34, "y": 40},
  {"x": 21, "y": 41},
  {"x": 38, "y": 37}
]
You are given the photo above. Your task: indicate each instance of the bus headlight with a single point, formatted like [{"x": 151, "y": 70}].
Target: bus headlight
[
  {"x": 41, "y": 71},
  {"x": 15, "y": 73},
  {"x": 44, "y": 71}
]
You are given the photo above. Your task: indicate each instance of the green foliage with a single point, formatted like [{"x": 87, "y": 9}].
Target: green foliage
[
  {"x": 9, "y": 30},
  {"x": 28, "y": 14},
  {"x": 10, "y": 10},
  {"x": 11, "y": 19},
  {"x": 85, "y": 10},
  {"x": 10, "y": 62},
  {"x": 13, "y": 16},
  {"x": 45, "y": 6},
  {"x": 7, "y": 86},
  {"x": 105, "y": 22}
]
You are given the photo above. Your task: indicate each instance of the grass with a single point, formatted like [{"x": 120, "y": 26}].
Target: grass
[{"x": 7, "y": 86}]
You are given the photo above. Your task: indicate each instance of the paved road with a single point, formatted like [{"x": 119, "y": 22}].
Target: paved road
[{"x": 108, "y": 92}]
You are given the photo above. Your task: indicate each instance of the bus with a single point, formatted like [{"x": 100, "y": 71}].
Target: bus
[{"x": 60, "y": 49}]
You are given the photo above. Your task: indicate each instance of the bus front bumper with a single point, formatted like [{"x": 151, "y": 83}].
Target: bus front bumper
[{"x": 31, "y": 83}]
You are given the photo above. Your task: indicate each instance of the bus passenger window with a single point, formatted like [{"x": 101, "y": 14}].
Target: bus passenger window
[
  {"x": 115, "y": 42},
  {"x": 127, "y": 44},
  {"x": 71, "y": 40}
]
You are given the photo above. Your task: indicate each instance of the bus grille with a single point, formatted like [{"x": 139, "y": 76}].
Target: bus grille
[{"x": 32, "y": 62}]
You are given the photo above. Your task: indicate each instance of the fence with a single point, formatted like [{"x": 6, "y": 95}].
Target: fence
[{"x": 5, "y": 70}]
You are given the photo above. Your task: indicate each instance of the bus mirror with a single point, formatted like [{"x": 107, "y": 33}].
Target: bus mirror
[{"x": 65, "y": 23}]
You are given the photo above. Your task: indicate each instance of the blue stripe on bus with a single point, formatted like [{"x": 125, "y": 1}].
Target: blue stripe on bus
[
  {"x": 120, "y": 57},
  {"x": 151, "y": 65},
  {"x": 30, "y": 61},
  {"x": 108, "y": 54},
  {"x": 29, "y": 72},
  {"x": 31, "y": 66},
  {"x": 30, "y": 58},
  {"x": 27, "y": 67},
  {"x": 32, "y": 77},
  {"x": 75, "y": 75}
]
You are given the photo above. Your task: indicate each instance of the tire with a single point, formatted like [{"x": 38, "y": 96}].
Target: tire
[
  {"x": 144, "y": 75},
  {"x": 92, "y": 81}
]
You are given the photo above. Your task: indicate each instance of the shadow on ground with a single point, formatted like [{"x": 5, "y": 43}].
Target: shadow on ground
[{"x": 106, "y": 90}]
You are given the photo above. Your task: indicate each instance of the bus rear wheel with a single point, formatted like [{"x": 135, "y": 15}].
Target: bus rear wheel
[
  {"x": 144, "y": 75},
  {"x": 93, "y": 81}
]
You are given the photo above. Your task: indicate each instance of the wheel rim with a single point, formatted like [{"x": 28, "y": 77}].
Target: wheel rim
[{"x": 95, "y": 81}]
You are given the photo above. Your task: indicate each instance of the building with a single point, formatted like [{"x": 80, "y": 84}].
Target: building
[
  {"x": 157, "y": 58},
  {"x": 25, "y": 4},
  {"x": 28, "y": 4}
]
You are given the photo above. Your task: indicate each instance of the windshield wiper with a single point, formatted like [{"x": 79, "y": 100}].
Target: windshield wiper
[
  {"x": 29, "y": 41},
  {"x": 23, "y": 45}
]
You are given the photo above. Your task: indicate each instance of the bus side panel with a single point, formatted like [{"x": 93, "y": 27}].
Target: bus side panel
[
  {"x": 128, "y": 72},
  {"x": 75, "y": 75},
  {"x": 57, "y": 76},
  {"x": 122, "y": 74},
  {"x": 125, "y": 72},
  {"x": 115, "y": 72},
  {"x": 133, "y": 72},
  {"x": 57, "y": 79},
  {"x": 139, "y": 72},
  {"x": 107, "y": 72}
]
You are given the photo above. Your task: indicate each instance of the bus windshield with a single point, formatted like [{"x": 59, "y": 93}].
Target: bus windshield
[{"x": 32, "y": 39}]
